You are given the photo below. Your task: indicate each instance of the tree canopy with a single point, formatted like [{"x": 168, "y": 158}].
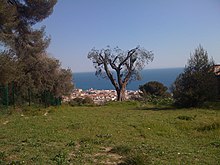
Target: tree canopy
[{"x": 17, "y": 18}]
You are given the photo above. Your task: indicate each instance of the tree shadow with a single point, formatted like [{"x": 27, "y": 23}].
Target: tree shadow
[
  {"x": 157, "y": 108},
  {"x": 209, "y": 106}
]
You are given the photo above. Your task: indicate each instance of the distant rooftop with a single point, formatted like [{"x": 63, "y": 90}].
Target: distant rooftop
[{"x": 217, "y": 69}]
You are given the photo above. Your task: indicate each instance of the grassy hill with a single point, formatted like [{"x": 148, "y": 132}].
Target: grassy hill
[{"x": 118, "y": 133}]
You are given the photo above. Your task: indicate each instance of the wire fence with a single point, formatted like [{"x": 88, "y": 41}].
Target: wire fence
[
  {"x": 9, "y": 96},
  {"x": 4, "y": 95}
]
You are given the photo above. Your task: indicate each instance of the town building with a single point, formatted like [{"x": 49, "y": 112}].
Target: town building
[
  {"x": 217, "y": 70},
  {"x": 100, "y": 96}
]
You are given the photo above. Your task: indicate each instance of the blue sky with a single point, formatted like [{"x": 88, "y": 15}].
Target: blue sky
[{"x": 172, "y": 29}]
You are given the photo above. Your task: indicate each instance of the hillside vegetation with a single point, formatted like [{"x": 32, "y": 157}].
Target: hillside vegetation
[{"x": 118, "y": 133}]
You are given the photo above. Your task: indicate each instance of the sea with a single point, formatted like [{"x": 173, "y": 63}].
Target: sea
[{"x": 88, "y": 80}]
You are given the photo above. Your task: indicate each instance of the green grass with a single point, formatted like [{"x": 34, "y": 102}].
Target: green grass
[{"x": 118, "y": 133}]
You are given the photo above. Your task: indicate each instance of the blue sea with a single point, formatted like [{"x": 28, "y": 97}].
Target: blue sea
[{"x": 89, "y": 80}]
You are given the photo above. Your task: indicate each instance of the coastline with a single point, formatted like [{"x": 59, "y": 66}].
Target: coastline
[{"x": 87, "y": 80}]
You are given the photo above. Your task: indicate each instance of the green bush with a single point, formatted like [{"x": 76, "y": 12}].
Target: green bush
[
  {"x": 153, "y": 88},
  {"x": 81, "y": 101},
  {"x": 158, "y": 100},
  {"x": 88, "y": 100},
  {"x": 156, "y": 93}
]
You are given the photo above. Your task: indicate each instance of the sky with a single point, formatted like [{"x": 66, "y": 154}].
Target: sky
[{"x": 172, "y": 29}]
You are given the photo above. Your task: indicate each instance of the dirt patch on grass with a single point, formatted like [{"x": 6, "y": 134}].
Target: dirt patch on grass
[{"x": 109, "y": 158}]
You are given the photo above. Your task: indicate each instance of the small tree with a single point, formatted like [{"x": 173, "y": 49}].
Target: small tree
[
  {"x": 197, "y": 83},
  {"x": 127, "y": 66},
  {"x": 153, "y": 88}
]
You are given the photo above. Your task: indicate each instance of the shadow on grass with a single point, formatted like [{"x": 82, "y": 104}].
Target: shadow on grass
[
  {"x": 153, "y": 107},
  {"x": 211, "y": 105},
  {"x": 157, "y": 108}
]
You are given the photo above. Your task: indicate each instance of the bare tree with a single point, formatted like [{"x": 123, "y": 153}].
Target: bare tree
[{"x": 120, "y": 67}]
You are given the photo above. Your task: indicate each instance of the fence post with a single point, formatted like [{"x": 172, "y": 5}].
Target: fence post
[
  {"x": 13, "y": 94},
  {"x": 6, "y": 96}
]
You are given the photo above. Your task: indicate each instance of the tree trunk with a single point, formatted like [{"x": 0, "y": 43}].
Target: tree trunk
[{"x": 121, "y": 94}]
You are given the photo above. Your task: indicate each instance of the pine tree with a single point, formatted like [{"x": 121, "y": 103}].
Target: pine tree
[{"x": 197, "y": 84}]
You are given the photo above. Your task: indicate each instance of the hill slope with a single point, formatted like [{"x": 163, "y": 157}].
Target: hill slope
[{"x": 112, "y": 134}]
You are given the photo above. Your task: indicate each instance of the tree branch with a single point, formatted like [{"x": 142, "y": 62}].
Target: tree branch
[
  {"x": 110, "y": 76},
  {"x": 112, "y": 64},
  {"x": 115, "y": 59},
  {"x": 130, "y": 53}
]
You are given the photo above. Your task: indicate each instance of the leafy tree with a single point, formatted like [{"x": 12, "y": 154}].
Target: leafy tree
[
  {"x": 126, "y": 65},
  {"x": 24, "y": 59},
  {"x": 18, "y": 37},
  {"x": 153, "y": 88},
  {"x": 197, "y": 83}
]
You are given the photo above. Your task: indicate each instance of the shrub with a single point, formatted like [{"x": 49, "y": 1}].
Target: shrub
[
  {"x": 81, "y": 101},
  {"x": 156, "y": 93},
  {"x": 153, "y": 88},
  {"x": 88, "y": 100}
]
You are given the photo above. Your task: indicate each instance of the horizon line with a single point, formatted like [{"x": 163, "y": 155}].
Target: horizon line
[{"x": 142, "y": 70}]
